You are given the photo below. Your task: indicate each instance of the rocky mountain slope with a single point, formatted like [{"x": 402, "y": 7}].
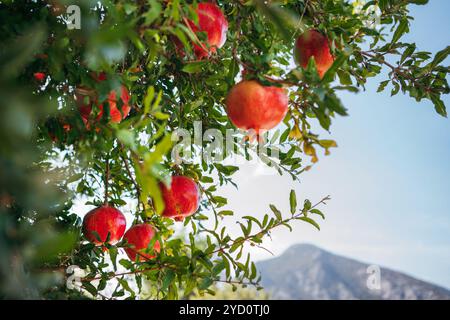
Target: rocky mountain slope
[{"x": 308, "y": 272}]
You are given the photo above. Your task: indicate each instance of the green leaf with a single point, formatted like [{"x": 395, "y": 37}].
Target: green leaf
[
  {"x": 148, "y": 99},
  {"x": 205, "y": 284},
  {"x": 276, "y": 212},
  {"x": 102, "y": 284},
  {"x": 318, "y": 212},
  {"x": 440, "y": 56},
  {"x": 253, "y": 273},
  {"x": 438, "y": 105},
  {"x": 126, "y": 137},
  {"x": 126, "y": 263},
  {"x": 293, "y": 201},
  {"x": 161, "y": 149},
  {"x": 225, "y": 213},
  {"x": 233, "y": 71},
  {"x": 344, "y": 77},
  {"x": 382, "y": 85},
  {"x": 328, "y": 143},
  {"x": 221, "y": 201},
  {"x": 408, "y": 52},
  {"x": 401, "y": 30},
  {"x": 278, "y": 16},
  {"x": 168, "y": 278},
  {"x": 160, "y": 115},
  {"x": 193, "y": 67},
  {"x": 75, "y": 177},
  {"x": 90, "y": 288},
  {"x": 329, "y": 75},
  {"x": 154, "y": 11},
  {"x": 307, "y": 205},
  {"x": 113, "y": 255},
  {"x": 237, "y": 244},
  {"x": 253, "y": 219},
  {"x": 206, "y": 179},
  {"x": 418, "y": 2},
  {"x": 396, "y": 89},
  {"x": 217, "y": 269},
  {"x": 126, "y": 286},
  {"x": 310, "y": 221}
]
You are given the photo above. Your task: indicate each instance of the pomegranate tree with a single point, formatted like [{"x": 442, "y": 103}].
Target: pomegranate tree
[{"x": 124, "y": 161}]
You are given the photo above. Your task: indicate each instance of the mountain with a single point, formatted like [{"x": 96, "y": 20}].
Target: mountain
[{"x": 307, "y": 272}]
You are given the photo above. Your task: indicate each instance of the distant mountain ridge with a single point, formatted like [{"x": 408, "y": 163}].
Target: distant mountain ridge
[{"x": 305, "y": 271}]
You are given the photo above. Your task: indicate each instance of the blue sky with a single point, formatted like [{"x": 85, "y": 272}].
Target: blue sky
[{"x": 389, "y": 179}]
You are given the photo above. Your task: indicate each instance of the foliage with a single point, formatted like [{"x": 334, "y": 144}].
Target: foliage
[
  {"x": 239, "y": 293},
  {"x": 50, "y": 157}
]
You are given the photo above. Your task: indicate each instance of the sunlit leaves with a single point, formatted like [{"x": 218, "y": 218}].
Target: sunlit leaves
[
  {"x": 153, "y": 12},
  {"x": 438, "y": 105},
  {"x": 402, "y": 28},
  {"x": 438, "y": 58},
  {"x": 193, "y": 67},
  {"x": 281, "y": 18},
  {"x": 310, "y": 221},
  {"x": 338, "y": 62}
]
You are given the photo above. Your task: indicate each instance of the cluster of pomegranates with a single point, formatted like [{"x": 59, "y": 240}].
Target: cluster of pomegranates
[
  {"x": 107, "y": 224},
  {"x": 249, "y": 105},
  {"x": 117, "y": 114}
]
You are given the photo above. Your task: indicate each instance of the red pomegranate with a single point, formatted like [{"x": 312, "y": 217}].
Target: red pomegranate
[
  {"x": 66, "y": 128},
  {"x": 39, "y": 76},
  {"x": 116, "y": 115},
  {"x": 314, "y": 44},
  {"x": 138, "y": 238},
  {"x": 104, "y": 220},
  {"x": 251, "y": 105},
  {"x": 181, "y": 199},
  {"x": 212, "y": 21}
]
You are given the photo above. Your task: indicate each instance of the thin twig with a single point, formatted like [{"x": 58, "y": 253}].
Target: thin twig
[
  {"x": 249, "y": 237},
  {"x": 133, "y": 180},
  {"x": 397, "y": 70},
  {"x": 212, "y": 206},
  {"x": 107, "y": 173}
]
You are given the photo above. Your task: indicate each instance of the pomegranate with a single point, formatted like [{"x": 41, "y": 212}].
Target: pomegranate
[
  {"x": 138, "y": 238},
  {"x": 104, "y": 220},
  {"x": 314, "y": 44},
  {"x": 181, "y": 199},
  {"x": 66, "y": 127},
  {"x": 251, "y": 105},
  {"x": 212, "y": 21},
  {"x": 116, "y": 115},
  {"x": 39, "y": 76}
]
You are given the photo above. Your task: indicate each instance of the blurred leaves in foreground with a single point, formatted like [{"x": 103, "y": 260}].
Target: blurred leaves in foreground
[{"x": 32, "y": 236}]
